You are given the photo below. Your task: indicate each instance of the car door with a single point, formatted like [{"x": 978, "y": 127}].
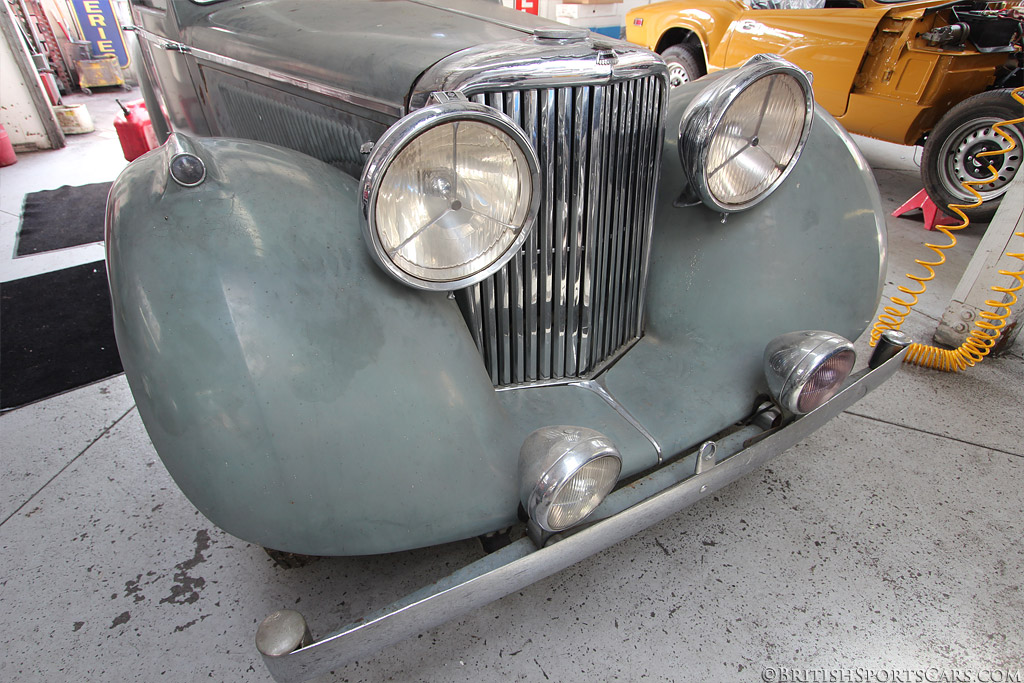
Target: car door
[
  {"x": 158, "y": 31},
  {"x": 828, "y": 42}
]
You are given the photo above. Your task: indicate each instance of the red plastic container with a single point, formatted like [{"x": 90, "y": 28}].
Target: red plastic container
[
  {"x": 7, "y": 156},
  {"x": 134, "y": 130}
]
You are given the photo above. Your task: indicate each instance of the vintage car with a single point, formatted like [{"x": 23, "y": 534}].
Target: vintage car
[
  {"x": 408, "y": 272},
  {"x": 920, "y": 72}
]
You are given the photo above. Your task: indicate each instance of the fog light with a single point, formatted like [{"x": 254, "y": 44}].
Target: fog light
[
  {"x": 805, "y": 369},
  {"x": 564, "y": 473}
]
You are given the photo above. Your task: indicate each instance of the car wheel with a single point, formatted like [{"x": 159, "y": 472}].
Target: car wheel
[
  {"x": 683, "y": 65},
  {"x": 952, "y": 148}
]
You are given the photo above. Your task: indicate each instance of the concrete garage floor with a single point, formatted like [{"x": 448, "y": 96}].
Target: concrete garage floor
[{"x": 891, "y": 539}]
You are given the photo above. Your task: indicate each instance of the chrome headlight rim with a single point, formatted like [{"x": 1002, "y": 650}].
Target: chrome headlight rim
[
  {"x": 399, "y": 136},
  {"x": 549, "y": 460},
  {"x": 705, "y": 113},
  {"x": 791, "y": 361}
]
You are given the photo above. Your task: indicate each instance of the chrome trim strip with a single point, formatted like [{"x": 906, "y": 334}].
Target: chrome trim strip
[
  {"x": 370, "y": 103},
  {"x": 643, "y": 503},
  {"x": 598, "y": 387},
  {"x": 535, "y": 63},
  {"x": 565, "y": 381}
]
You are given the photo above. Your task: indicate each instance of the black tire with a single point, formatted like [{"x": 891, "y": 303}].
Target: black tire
[
  {"x": 950, "y": 152},
  {"x": 683, "y": 65}
]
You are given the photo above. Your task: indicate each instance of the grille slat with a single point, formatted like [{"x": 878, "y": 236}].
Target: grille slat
[
  {"x": 578, "y": 166},
  {"x": 602, "y": 222},
  {"x": 613, "y": 284},
  {"x": 593, "y": 192},
  {"x": 632, "y": 206},
  {"x": 573, "y": 296},
  {"x": 563, "y": 151},
  {"x": 546, "y": 237}
]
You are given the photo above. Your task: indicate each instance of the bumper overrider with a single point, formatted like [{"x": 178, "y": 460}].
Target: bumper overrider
[{"x": 291, "y": 654}]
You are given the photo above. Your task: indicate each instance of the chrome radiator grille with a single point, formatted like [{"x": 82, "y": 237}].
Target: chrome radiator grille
[{"x": 573, "y": 297}]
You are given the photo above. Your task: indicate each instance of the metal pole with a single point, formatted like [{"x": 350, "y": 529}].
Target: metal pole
[
  {"x": 28, "y": 72},
  {"x": 36, "y": 38},
  {"x": 982, "y": 272}
]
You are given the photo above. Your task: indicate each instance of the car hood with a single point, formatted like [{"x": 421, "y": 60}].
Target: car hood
[{"x": 376, "y": 48}]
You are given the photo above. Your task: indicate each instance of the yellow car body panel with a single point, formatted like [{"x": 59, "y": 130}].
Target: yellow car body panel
[{"x": 872, "y": 69}]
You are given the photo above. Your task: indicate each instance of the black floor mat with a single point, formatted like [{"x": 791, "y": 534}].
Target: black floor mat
[
  {"x": 56, "y": 333},
  {"x": 65, "y": 217}
]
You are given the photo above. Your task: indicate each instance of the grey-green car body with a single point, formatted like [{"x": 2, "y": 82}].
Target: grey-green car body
[{"x": 306, "y": 401}]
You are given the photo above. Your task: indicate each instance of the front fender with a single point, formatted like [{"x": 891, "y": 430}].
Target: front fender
[
  {"x": 299, "y": 397},
  {"x": 810, "y": 256}
]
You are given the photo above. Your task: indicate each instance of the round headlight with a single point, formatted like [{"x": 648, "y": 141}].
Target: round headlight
[
  {"x": 805, "y": 369},
  {"x": 565, "y": 472},
  {"x": 449, "y": 195},
  {"x": 743, "y": 134}
]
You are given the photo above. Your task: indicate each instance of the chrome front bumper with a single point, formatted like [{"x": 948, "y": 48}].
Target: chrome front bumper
[{"x": 623, "y": 513}]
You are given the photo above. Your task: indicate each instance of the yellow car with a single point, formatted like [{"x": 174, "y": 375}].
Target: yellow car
[{"x": 920, "y": 72}]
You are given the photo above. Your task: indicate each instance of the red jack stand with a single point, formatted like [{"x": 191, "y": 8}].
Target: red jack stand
[{"x": 932, "y": 215}]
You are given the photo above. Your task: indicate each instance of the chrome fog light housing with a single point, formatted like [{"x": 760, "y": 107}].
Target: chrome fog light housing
[
  {"x": 564, "y": 474},
  {"x": 744, "y": 133},
  {"x": 449, "y": 194},
  {"x": 805, "y": 369}
]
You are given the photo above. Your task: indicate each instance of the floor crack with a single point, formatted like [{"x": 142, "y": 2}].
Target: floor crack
[
  {"x": 935, "y": 434},
  {"x": 68, "y": 464}
]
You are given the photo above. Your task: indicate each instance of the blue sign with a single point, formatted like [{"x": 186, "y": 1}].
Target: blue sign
[{"x": 98, "y": 24}]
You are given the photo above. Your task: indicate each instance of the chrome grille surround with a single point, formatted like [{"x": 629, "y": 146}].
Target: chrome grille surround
[{"x": 572, "y": 300}]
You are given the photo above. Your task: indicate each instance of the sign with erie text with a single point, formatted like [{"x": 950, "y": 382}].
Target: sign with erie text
[{"x": 98, "y": 24}]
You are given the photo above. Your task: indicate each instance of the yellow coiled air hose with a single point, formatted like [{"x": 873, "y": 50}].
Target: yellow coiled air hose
[{"x": 986, "y": 331}]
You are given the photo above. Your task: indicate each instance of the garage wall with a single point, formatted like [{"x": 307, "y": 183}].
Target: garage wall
[{"x": 18, "y": 113}]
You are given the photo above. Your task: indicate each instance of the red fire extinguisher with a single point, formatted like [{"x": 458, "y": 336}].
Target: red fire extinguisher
[
  {"x": 7, "y": 156},
  {"x": 134, "y": 130}
]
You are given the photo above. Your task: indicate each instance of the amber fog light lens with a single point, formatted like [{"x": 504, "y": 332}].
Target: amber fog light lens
[
  {"x": 805, "y": 369},
  {"x": 742, "y": 135},
  {"x": 449, "y": 195},
  {"x": 564, "y": 474},
  {"x": 826, "y": 380}
]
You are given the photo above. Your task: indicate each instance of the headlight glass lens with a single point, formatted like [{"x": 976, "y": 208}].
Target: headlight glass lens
[
  {"x": 743, "y": 134},
  {"x": 453, "y": 201},
  {"x": 826, "y": 380},
  {"x": 757, "y": 139},
  {"x": 582, "y": 492}
]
